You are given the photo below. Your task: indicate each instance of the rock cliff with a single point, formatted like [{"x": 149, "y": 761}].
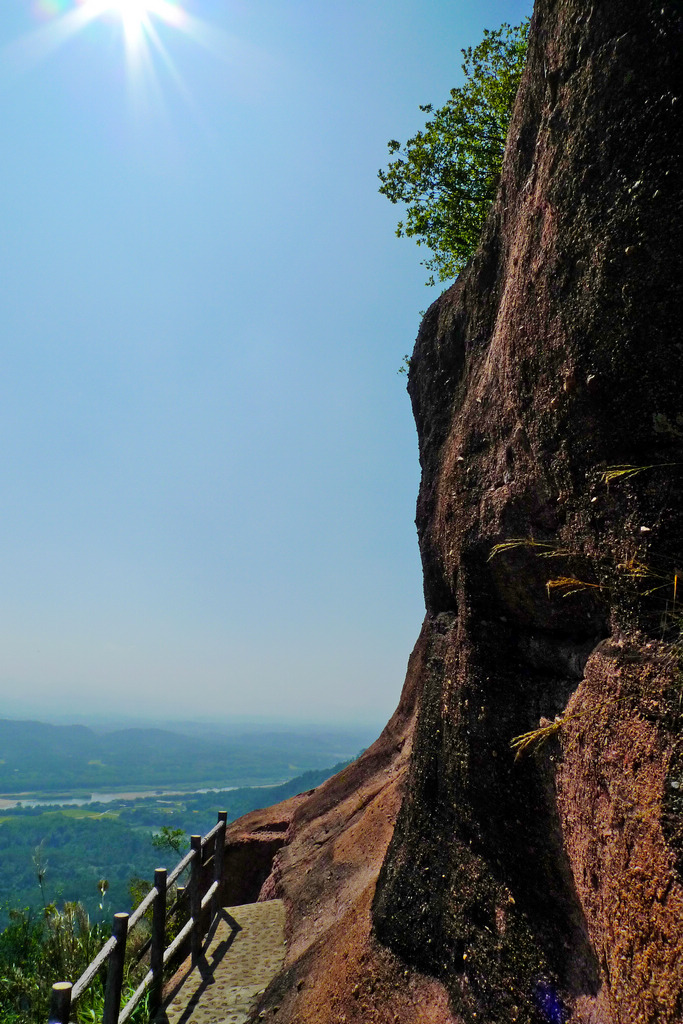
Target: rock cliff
[{"x": 549, "y": 888}]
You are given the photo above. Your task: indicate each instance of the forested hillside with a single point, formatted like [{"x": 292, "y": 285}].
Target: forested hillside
[
  {"x": 62, "y": 758},
  {"x": 79, "y": 846}
]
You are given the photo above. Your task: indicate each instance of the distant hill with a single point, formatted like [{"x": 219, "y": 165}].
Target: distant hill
[{"x": 54, "y": 759}]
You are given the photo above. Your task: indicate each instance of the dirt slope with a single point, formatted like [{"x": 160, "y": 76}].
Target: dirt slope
[{"x": 325, "y": 870}]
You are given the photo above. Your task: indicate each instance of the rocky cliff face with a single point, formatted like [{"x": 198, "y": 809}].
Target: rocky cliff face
[
  {"x": 546, "y": 889},
  {"x": 535, "y": 887}
]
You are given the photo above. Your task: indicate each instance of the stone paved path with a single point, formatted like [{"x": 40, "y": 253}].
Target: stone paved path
[{"x": 244, "y": 955}]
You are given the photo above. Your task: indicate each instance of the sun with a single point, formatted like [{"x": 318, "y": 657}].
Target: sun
[
  {"x": 132, "y": 10},
  {"x": 145, "y": 27},
  {"x": 135, "y": 16},
  {"x": 139, "y": 19}
]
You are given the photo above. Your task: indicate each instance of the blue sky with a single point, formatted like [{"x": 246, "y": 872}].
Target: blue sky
[{"x": 209, "y": 465}]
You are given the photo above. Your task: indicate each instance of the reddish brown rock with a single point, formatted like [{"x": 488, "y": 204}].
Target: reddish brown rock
[
  {"x": 611, "y": 786},
  {"x": 557, "y": 354},
  {"x": 547, "y": 889},
  {"x": 337, "y": 837}
]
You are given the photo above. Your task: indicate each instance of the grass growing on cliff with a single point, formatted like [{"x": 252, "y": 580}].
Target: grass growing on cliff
[
  {"x": 634, "y": 577},
  {"x": 537, "y": 737},
  {"x": 542, "y": 550},
  {"x": 38, "y": 949},
  {"x": 632, "y": 569},
  {"x": 568, "y": 585},
  {"x": 624, "y": 472}
]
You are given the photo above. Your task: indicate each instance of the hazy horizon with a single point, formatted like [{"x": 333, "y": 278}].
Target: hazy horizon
[{"x": 196, "y": 725}]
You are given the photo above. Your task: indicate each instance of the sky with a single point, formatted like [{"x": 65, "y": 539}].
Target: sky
[{"x": 209, "y": 466}]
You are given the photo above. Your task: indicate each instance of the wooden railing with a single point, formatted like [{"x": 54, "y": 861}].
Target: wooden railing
[{"x": 205, "y": 861}]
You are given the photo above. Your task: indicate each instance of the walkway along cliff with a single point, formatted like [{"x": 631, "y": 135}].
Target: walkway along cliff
[{"x": 438, "y": 879}]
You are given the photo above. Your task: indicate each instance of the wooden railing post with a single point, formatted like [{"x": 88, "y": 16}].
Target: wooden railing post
[
  {"x": 218, "y": 857},
  {"x": 156, "y": 956},
  {"x": 60, "y": 1003},
  {"x": 196, "y": 898},
  {"x": 112, "y": 995}
]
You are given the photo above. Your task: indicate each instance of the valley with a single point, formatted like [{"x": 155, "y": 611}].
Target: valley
[{"x": 54, "y": 823}]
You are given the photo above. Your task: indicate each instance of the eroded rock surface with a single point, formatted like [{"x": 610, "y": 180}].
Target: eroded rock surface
[
  {"x": 547, "y": 889},
  {"x": 556, "y": 356}
]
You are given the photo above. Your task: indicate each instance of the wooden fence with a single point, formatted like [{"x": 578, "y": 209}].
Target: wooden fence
[{"x": 203, "y": 892}]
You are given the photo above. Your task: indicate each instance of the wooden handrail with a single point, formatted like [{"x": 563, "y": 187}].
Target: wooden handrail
[
  {"x": 209, "y": 894},
  {"x": 143, "y": 907},
  {"x": 178, "y": 941},
  {"x": 90, "y": 972},
  {"x": 214, "y": 831},
  {"x": 180, "y": 867},
  {"x": 127, "y": 1011},
  {"x": 203, "y": 894}
]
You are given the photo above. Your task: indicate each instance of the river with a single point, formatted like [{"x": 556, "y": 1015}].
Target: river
[{"x": 27, "y": 800}]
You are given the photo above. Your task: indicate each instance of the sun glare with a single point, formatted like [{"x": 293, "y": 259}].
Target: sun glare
[
  {"x": 132, "y": 8},
  {"x": 132, "y": 11},
  {"x": 140, "y": 21},
  {"x": 136, "y": 16}
]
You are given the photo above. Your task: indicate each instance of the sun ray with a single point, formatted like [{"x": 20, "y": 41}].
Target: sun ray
[
  {"x": 138, "y": 20},
  {"x": 165, "y": 56},
  {"x": 145, "y": 30},
  {"x": 32, "y": 49}
]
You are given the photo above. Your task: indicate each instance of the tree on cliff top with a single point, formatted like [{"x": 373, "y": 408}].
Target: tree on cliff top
[{"x": 447, "y": 174}]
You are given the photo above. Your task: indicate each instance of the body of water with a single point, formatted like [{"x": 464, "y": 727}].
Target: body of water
[{"x": 27, "y": 800}]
